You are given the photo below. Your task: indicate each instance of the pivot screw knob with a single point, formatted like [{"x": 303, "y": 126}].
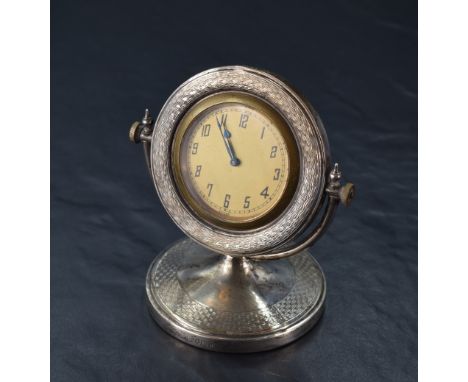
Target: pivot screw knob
[
  {"x": 347, "y": 193},
  {"x": 141, "y": 128}
]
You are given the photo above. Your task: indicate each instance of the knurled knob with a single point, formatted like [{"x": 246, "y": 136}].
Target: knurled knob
[
  {"x": 347, "y": 193},
  {"x": 134, "y": 133}
]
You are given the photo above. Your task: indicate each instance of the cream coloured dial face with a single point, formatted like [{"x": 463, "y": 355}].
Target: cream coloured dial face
[{"x": 235, "y": 162}]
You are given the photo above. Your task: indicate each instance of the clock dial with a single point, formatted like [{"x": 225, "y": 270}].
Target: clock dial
[{"x": 236, "y": 161}]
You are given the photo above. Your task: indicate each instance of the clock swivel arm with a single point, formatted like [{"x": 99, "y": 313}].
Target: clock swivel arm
[{"x": 336, "y": 193}]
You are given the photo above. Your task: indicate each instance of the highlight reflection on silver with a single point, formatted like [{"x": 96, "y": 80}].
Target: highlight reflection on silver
[{"x": 234, "y": 304}]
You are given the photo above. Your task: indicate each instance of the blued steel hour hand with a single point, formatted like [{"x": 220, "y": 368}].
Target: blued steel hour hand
[{"x": 226, "y": 138}]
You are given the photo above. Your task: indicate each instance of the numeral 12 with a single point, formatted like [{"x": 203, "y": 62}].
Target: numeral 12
[{"x": 243, "y": 120}]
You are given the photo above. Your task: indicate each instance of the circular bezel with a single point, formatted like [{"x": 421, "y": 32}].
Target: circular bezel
[
  {"x": 211, "y": 216},
  {"x": 310, "y": 138}
]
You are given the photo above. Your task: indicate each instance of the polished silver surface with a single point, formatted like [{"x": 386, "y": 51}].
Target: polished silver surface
[
  {"x": 234, "y": 304},
  {"x": 242, "y": 291}
]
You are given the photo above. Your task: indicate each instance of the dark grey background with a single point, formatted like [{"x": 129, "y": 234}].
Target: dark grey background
[{"x": 356, "y": 61}]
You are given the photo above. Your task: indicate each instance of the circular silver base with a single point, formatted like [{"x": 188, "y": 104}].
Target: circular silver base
[{"x": 229, "y": 304}]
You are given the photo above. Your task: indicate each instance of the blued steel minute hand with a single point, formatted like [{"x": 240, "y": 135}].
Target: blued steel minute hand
[{"x": 226, "y": 135}]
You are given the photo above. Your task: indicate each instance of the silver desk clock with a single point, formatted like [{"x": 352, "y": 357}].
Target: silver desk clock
[{"x": 241, "y": 164}]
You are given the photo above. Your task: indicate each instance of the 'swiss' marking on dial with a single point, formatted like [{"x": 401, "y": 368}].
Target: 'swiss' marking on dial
[{"x": 240, "y": 172}]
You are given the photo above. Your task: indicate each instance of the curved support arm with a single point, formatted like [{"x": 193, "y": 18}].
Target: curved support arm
[
  {"x": 336, "y": 193},
  {"x": 147, "y": 151},
  {"x": 307, "y": 242}
]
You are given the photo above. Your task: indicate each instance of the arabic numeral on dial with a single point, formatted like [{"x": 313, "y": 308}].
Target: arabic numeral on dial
[
  {"x": 206, "y": 130},
  {"x": 247, "y": 202},
  {"x": 227, "y": 198},
  {"x": 194, "y": 148},
  {"x": 243, "y": 120},
  {"x": 197, "y": 171},
  {"x": 277, "y": 174},
  {"x": 263, "y": 132},
  {"x": 265, "y": 193},
  {"x": 274, "y": 149},
  {"x": 210, "y": 188}
]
